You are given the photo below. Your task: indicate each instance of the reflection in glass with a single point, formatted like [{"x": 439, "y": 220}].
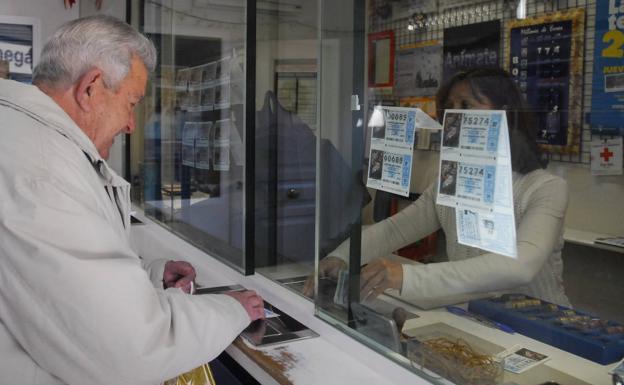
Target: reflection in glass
[{"x": 192, "y": 176}]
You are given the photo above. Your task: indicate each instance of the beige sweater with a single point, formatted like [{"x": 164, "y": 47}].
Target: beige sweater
[{"x": 540, "y": 201}]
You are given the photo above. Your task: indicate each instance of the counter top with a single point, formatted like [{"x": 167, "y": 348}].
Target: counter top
[
  {"x": 587, "y": 238},
  {"x": 331, "y": 358},
  {"x": 334, "y": 357}
]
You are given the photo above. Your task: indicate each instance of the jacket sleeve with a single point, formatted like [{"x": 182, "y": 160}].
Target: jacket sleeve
[
  {"x": 155, "y": 270},
  {"x": 537, "y": 237},
  {"x": 409, "y": 225},
  {"x": 74, "y": 295}
]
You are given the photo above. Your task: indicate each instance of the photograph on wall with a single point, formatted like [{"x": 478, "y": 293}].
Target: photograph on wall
[
  {"x": 545, "y": 57},
  {"x": 221, "y": 156},
  {"x": 19, "y": 47},
  {"x": 189, "y": 132},
  {"x": 418, "y": 69},
  {"x": 607, "y": 106},
  {"x": 202, "y": 157},
  {"x": 221, "y": 132},
  {"x": 381, "y": 59},
  {"x": 472, "y": 45}
]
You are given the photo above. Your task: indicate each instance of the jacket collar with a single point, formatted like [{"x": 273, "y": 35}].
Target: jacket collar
[{"x": 31, "y": 101}]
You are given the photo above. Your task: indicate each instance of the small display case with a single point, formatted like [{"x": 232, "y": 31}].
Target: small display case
[{"x": 455, "y": 359}]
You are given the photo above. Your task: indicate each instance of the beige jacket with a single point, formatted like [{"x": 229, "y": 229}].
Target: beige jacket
[
  {"x": 76, "y": 306},
  {"x": 540, "y": 202}
]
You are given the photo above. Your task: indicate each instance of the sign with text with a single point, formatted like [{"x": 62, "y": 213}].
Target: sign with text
[
  {"x": 19, "y": 46},
  {"x": 607, "y": 113},
  {"x": 606, "y": 156},
  {"x": 469, "y": 46}
]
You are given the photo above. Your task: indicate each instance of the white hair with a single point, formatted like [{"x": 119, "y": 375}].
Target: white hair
[{"x": 94, "y": 41}]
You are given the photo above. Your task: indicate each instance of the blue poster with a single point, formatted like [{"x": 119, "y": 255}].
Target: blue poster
[{"x": 607, "y": 111}]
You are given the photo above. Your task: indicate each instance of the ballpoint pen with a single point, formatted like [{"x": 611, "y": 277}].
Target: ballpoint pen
[{"x": 480, "y": 319}]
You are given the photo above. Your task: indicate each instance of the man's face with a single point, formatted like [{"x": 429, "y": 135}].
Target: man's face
[{"x": 113, "y": 112}]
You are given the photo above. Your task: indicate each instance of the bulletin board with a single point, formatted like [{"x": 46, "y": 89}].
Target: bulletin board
[
  {"x": 545, "y": 57},
  {"x": 418, "y": 21}
]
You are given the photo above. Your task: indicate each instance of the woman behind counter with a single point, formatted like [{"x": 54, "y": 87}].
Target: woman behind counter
[{"x": 540, "y": 201}]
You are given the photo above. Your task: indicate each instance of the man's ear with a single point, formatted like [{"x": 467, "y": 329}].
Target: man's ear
[{"x": 87, "y": 86}]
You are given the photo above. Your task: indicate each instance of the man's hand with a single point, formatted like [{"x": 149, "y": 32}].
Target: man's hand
[
  {"x": 328, "y": 267},
  {"x": 379, "y": 275},
  {"x": 251, "y": 301},
  {"x": 179, "y": 274}
]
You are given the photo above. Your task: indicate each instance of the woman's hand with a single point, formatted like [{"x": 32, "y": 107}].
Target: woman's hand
[
  {"x": 379, "y": 275},
  {"x": 328, "y": 267}
]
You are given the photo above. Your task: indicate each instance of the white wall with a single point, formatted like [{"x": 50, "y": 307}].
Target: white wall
[
  {"x": 116, "y": 8},
  {"x": 596, "y": 202},
  {"x": 50, "y": 13}
]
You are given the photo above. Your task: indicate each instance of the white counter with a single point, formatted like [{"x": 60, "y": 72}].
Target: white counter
[
  {"x": 332, "y": 358},
  {"x": 335, "y": 358}
]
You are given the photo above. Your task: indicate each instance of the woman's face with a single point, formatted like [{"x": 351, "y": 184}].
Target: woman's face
[{"x": 461, "y": 97}]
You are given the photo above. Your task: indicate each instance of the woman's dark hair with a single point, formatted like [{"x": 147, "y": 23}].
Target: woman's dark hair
[{"x": 500, "y": 89}]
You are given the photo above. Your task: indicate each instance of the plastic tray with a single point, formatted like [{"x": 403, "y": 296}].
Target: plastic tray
[{"x": 576, "y": 332}]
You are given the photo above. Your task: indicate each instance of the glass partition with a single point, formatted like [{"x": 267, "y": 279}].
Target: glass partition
[
  {"x": 464, "y": 256},
  {"x": 191, "y": 175},
  {"x": 290, "y": 147},
  {"x": 286, "y": 137}
]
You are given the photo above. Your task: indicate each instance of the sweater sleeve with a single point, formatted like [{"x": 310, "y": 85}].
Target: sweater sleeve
[
  {"x": 76, "y": 298},
  {"x": 411, "y": 224},
  {"x": 538, "y": 234}
]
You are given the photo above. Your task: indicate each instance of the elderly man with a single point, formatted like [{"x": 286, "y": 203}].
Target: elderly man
[{"x": 76, "y": 304}]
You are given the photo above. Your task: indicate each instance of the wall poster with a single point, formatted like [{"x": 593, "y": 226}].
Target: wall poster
[
  {"x": 545, "y": 57},
  {"x": 607, "y": 111},
  {"x": 20, "y": 45},
  {"x": 418, "y": 69},
  {"x": 472, "y": 45}
]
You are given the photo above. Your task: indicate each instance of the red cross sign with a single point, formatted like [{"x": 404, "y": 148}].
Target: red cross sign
[{"x": 606, "y": 154}]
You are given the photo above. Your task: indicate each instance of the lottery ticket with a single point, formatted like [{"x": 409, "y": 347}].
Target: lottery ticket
[
  {"x": 523, "y": 359},
  {"x": 493, "y": 232},
  {"x": 390, "y": 170},
  {"x": 475, "y": 178},
  {"x": 393, "y": 130}
]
